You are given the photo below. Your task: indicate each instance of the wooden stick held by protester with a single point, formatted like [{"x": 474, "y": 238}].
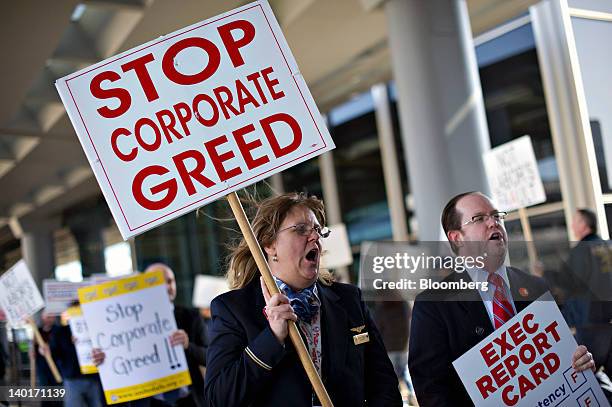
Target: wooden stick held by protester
[{"x": 41, "y": 342}]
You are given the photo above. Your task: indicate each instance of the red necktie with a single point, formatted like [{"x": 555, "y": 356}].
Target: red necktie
[{"x": 502, "y": 309}]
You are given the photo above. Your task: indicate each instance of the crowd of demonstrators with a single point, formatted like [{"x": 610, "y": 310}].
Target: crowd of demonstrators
[
  {"x": 250, "y": 360},
  {"x": 242, "y": 355}
]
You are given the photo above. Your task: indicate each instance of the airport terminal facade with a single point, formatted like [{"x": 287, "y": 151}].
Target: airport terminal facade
[{"x": 408, "y": 142}]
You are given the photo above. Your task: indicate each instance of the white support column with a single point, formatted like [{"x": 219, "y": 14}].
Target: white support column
[
  {"x": 276, "y": 182},
  {"x": 37, "y": 245},
  {"x": 331, "y": 198},
  {"x": 567, "y": 111},
  {"x": 440, "y": 104},
  {"x": 391, "y": 172},
  {"x": 330, "y": 188}
]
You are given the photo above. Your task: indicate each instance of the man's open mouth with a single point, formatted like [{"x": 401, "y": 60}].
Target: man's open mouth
[{"x": 495, "y": 236}]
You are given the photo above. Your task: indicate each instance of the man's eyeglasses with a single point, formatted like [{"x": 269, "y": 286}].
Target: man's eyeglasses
[
  {"x": 303, "y": 229},
  {"x": 498, "y": 217}
]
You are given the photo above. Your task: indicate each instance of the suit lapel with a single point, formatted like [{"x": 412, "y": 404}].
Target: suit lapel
[
  {"x": 478, "y": 313},
  {"x": 471, "y": 302},
  {"x": 333, "y": 323},
  {"x": 518, "y": 289}
]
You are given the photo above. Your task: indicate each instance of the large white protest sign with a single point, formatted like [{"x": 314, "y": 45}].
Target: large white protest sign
[
  {"x": 19, "y": 296},
  {"x": 528, "y": 362},
  {"x": 192, "y": 116},
  {"x": 60, "y": 294},
  {"x": 82, "y": 340},
  {"x": 512, "y": 172},
  {"x": 131, "y": 321}
]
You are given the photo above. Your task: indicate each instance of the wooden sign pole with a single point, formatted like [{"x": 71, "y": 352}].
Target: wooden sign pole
[
  {"x": 532, "y": 253},
  {"x": 32, "y": 367},
  {"x": 264, "y": 269},
  {"x": 41, "y": 342}
]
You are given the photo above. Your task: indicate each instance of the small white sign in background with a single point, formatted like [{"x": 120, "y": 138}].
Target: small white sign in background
[
  {"x": 206, "y": 288},
  {"x": 336, "y": 248},
  {"x": 82, "y": 340},
  {"x": 19, "y": 296},
  {"x": 60, "y": 294},
  {"x": 512, "y": 172}
]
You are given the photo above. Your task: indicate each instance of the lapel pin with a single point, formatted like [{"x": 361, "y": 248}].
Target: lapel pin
[
  {"x": 479, "y": 330},
  {"x": 523, "y": 292},
  {"x": 361, "y": 338},
  {"x": 358, "y": 329}
]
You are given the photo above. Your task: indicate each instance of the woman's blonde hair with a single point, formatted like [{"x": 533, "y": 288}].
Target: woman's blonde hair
[{"x": 270, "y": 215}]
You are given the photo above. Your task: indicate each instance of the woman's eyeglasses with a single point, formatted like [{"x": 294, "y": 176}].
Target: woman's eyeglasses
[{"x": 303, "y": 229}]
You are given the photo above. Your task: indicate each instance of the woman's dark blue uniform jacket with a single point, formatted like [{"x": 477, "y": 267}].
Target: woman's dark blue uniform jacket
[{"x": 247, "y": 366}]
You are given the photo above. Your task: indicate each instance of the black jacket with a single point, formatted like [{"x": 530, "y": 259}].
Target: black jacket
[
  {"x": 190, "y": 320},
  {"x": 268, "y": 374},
  {"x": 446, "y": 325}
]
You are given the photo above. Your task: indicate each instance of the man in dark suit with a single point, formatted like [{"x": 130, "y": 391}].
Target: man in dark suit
[
  {"x": 447, "y": 324},
  {"x": 587, "y": 280}
]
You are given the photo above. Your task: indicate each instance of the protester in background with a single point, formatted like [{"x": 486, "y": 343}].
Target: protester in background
[
  {"x": 391, "y": 313},
  {"x": 250, "y": 360},
  {"x": 4, "y": 355},
  {"x": 44, "y": 377},
  {"x": 81, "y": 389},
  {"x": 48, "y": 326},
  {"x": 587, "y": 279}
]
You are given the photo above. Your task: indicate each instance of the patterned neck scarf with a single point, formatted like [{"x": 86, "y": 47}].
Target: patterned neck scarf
[{"x": 305, "y": 303}]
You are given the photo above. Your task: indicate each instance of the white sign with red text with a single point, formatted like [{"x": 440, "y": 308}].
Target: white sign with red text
[
  {"x": 528, "y": 362},
  {"x": 192, "y": 116}
]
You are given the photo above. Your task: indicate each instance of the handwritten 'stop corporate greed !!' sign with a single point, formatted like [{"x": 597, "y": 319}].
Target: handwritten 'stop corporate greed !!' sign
[
  {"x": 528, "y": 362},
  {"x": 185, "y": 119},
  {"x": 19, "y": 296},
  {"x": 131, "y": 321}
]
